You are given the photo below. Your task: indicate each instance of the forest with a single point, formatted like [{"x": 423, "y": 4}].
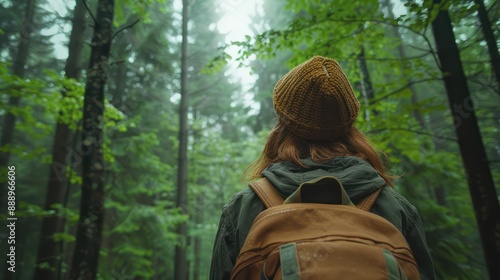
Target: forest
[{"x": 126, "y": 125}]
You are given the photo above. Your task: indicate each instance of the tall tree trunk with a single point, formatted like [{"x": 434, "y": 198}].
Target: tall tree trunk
[
  {"x": 50, "y": 251},
  {"x": 18, "y": 65},
  {"x": 490, "y": 39},
  {"x": 89, "y": 232},
  {"x": 439, "y": 190},
  {"x": 18, "y": 70},
  {"x": 199, "y": 211},
  {"x": 481, "y": 186},
  {"x": 181, "y": 272},
  {"x": 402, "y": 56},
  {"x": 8, "y": 127},
  {"x": 366, "y": 84}
]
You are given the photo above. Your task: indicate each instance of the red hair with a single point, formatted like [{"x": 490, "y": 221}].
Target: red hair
[{"x": 282, "y": 145}]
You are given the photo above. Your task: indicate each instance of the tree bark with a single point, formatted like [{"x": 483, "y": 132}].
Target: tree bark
[
  {"x": 50, "y": 251},
  {"x": 491, "y": 42},
  {"x": 181, "y": 272},
  {"x": 480, "y": 180},
  {"x": 90, "y": 225}
]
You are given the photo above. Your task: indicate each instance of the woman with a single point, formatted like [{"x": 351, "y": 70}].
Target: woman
[{"x": 314, "y": 137}]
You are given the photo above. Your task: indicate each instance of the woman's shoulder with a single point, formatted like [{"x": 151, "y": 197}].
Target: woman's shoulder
[
  {"x": 243, "y": 205},
  {"x": 400, "y": 200},
  {"x": 240, "y": 197},
  {"x": 396, "y": 208}
]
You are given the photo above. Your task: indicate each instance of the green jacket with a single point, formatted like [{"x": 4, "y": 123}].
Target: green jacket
[{"x": 359, "y": 179}]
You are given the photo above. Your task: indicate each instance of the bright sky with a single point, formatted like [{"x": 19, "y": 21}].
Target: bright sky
[
  {"x": 58, "y": 7},
  {"x": 236, "y": 17},
  {"x": 235, "y": 24}
]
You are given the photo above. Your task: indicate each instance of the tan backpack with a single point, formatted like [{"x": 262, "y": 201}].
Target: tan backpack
[{"x": 317, "y": 233}]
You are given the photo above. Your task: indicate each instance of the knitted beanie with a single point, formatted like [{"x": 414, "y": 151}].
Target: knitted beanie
[{"x": 315, "y": 100}]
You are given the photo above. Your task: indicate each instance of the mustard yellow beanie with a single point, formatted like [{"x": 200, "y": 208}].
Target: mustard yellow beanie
[{"x": 315, "y": 100}]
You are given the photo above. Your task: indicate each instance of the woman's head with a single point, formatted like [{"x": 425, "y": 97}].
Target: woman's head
[
  {"x": 316, "y": 109},
  {"x": 315, "y": 100}
]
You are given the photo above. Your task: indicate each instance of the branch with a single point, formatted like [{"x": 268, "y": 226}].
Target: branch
[
  {"x": 373, "y": 101},
  {"x": 413, "y": 131},
  {"x": 402, "y": 26},
  {"x": 11, "y": 87},
  {"x": 398, "y": 59},
  {"x": 123, "y": 28},
  {"x": 476, "y": 61},
  {"x": 419, "y": 49},
  {"x": 117, "y": 62},
  {"x": 206, "y": 87},
  {"x": 90, "y": 12},
  {"x": 488, "y": 86}
]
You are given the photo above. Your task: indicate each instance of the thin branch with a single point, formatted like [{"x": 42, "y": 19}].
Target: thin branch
[
  {"x": 413, "y": 131},
  {"x": 397, "y": 59},
  {"x": 117, "y": 62},
  {"x": 400, "y": 26},
  {"x": 373, "y": 101},
  {"x": 11, "y": 87},
  {"x": 205, "y": 87},
  {"x": 488, "y": 86},
  {"x": 419, "y": 49},
  {"x": 90, "y": 12},
  {"x": 124, "y": 27},
  {"x": 428, "y": 42},
  {"x": 476, "y": 61}
]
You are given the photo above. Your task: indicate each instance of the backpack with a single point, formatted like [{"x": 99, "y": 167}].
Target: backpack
[{"x": 318, "y": 233}]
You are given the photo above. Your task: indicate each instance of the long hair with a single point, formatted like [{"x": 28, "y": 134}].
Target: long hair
[{"x": 282, "y": 145}]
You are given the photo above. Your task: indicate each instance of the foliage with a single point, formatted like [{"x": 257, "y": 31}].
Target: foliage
[{"x": 405, "y": 118}]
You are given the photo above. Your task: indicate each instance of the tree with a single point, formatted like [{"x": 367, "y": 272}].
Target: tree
[
  {"x": 491, "y": 42},
  {"x": 481, "y": 186},
  {"x": 50, "y": 250},
  {"x": 8, "y": 128},
  {"x": 182, "y": 171},
  {"x": 88, "y": 239},
  {"x": 18, "y": 69}
]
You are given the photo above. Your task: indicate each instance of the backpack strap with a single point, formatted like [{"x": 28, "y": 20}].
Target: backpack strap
[
  {"x": 367, "y": 202},
  {"x": 266, "y": 192}
]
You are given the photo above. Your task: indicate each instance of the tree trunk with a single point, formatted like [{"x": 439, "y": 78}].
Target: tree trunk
[
  {"x": 439, "y": 190},
  {"x": 18, "y": 70},
  {"x": 180, "y": 272},
  {"x": 402, "y": 56},
  {"x": 8, "y": 127},
  {"x": 89, "y": 232},
  {"x": 199, "y": 208},
  {"x": 491, "y": 42},
  {"x": 50, "y": 251},
  {"x": 481, "y": 186},
  {"x": 366, "y": 84}
]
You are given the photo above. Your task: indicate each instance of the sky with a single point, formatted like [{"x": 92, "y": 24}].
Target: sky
[
  {"x": 59, "y": 37},
  {"x": 236, "y": 17},
  {"x": 234, "y": 24}
]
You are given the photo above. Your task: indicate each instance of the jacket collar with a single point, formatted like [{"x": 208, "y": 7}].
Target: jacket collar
[{"x": 357, "y": 176}]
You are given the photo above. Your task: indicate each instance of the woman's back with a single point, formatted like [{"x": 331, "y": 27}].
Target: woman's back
[{"x": 314, "y": 137}]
